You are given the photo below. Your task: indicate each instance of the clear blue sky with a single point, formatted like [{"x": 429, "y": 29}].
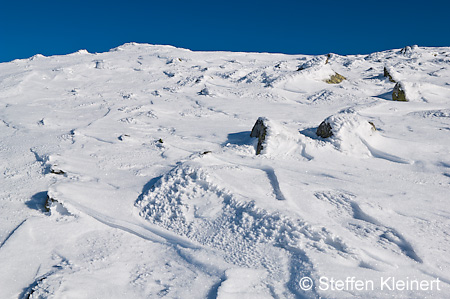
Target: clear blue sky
[{"x": 53, "y": 27}]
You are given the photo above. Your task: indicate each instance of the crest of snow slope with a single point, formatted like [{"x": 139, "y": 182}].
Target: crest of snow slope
[{"x": 148, "y": 149}]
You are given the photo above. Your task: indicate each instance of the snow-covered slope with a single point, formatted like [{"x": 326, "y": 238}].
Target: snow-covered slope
[{"x": 132, "y": 174}]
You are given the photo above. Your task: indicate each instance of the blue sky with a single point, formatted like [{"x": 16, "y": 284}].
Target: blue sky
[{"x": 53, "y": 27}]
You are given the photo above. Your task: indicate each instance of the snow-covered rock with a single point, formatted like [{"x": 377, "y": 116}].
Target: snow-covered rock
[
  {"x": 399, "y": 92},
  {"x": 274, "y": 139},
  {"x": 347, "y": 131}
]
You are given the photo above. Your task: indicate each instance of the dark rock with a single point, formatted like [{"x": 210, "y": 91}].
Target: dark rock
[
  {"x": 169, "y": 74},
  {"x": 388, "y": 75},
  {"x": 398, "y": 94},
  {"x": 324, "y": 130},
  {"x": 259, "y": 131},
  {"x": 328, "y": 58},
  {"x": 408, "y": 50},
  {"x": 49, "y": 202},
  {"x": 57, "y": 171},
  {"x": 99, "y": 64},
  {"x": 55, "y": 205},
  {"x": 123, "y": 137},
  {"x": 204, "y": 92}
]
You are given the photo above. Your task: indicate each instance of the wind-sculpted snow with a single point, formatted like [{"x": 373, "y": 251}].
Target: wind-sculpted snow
[
  {"x": 132, "y": 174},
  {"x": 350, "y": 132},
  {"x": 371, "y": 228},
  {"x": 437, "y": 114},
  {"x": 189, "y": 202}
]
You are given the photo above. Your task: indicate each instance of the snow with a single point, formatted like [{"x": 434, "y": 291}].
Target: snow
[{"x": 132, "y": 174}]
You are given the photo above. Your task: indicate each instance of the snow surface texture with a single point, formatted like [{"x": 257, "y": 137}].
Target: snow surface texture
[{"x": 132, "y": 174}]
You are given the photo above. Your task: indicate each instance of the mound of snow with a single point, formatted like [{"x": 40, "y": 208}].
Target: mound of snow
[
  {"x": 274, "y": 139},
  {"x": 319, "y": 72},
  {"x": 313, "y": 63},
  {"x": 410, "y": 51},
  {"x": 314, "y": 71},
  {"x": 411, "y": 91},
  {"x": 420, "y": 92},
  {"x": 319, "y": 69},
  {"x": 347, "y": 131}
]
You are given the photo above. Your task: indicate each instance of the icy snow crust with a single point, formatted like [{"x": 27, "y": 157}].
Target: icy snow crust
[{"x": 156, "y": 189}]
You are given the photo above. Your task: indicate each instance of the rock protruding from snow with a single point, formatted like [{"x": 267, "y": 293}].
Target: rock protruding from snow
[
  {"x": 347, "y": 131},
  {"x": 259, "y": 131},
  {"x": 319, "y": 69},
  {"x": 399, "y": 93},
  {"x": 409, "y": 51},
  {"x": 275, "y": 139},
  {"x": 335, "y": 79},
  {"x": 324, "y": 130},
  {"x": 53, "y": 206},
  {"x": 99, "y": 64},
  {"x": 204, "y": 92},
  {"x": 387, "y": 73}
]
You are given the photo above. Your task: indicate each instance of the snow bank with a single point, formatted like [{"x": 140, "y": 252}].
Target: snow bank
[
  {"x": 318, "y": 71},
  {"x": 349, "y": 131},
  {"x": 277, "y": 140}
]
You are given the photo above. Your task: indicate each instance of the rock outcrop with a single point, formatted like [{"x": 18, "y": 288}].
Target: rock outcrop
[
  {"x": 319, "y": 68},
  {"x": 259, "y": 131},
  {"x": 348, "y": 132},
  {"x": 99, "y": 64},
  {"x": 48, "y": 203},
  {"x": 409, "y": 50},
  {"x": 388, "y": 75},
  {"x": 336, "y": 79},
  {"x": 399, "y": 94},
  {"x": 52, "y": 206},
  {"x": 324, "y": 130},
  {"x": 276, "y": 139},
  {"x": 204, "y": 92}
]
